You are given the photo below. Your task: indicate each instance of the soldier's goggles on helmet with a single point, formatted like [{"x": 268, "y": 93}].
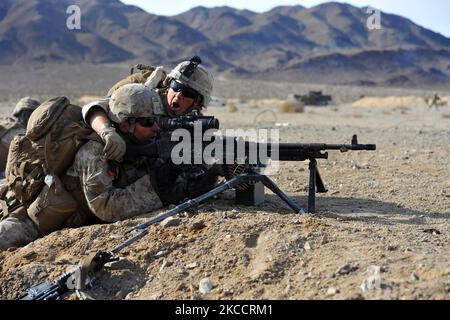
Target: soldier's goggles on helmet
[
  {"x": 146, "y": 122},
  {"x": 185, "y": 90}
]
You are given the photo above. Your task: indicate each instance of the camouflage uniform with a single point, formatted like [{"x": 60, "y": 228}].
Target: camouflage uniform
[
  {"x": 17, "y": 232},
  {"x": 201, "y": 81},
  {"x": 12, "y": 126},
  {"x": 109, "y": 195},
  {"x": 125, "y": 189},
  {"x": 102, "y": 195}
]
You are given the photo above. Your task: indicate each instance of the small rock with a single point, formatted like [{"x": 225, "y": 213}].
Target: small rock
[
  {"x": 414, "y": 277},
  {"x": 161, "y": 253},
  {"x": 157, "y": 296},
  {"x": 130, "y": 296},
  {"x": 205, "y": 285},
  {"x": 307, "y": 246},
  {"x": 228, "y": 237},
  {"x": 170, "y": 222},
  {"x": 391, "y": 247},
  {"x": 332, "y": 291},
  {"x": 192, "y": 265},
  {"x": 30, "y": 255},
  {"x": 384, "y": 268},
  {"x": 324, "y": 240},
  {"x": 228, "y": 292},
  {"x": 183, "y": 273},
  {"x": 115, "y": 236},
  {"x": 374, "y": 281},
  {"x": 371, "y": 283},
  {"x": 360, "y": 166},
  {"x": 198, "y": 225},
  {"x": 373, "y": 269},
  {"x": 346, "y": 269},
  {"x": 64, "y": 261},
  {"x": 432, "y": 231},
  {"x": 122, "y": 263},
  {"x": 245, "y": 259},
  {"x": 164, "y": 264}
]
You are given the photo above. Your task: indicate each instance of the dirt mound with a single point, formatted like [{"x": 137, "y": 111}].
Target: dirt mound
[
  {"x": 390, "y": 102},
  {"x": 397, "y": 102}
]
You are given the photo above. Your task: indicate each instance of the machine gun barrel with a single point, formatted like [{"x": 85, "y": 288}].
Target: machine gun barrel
[
  {"x": 235, "y": 148},
  {"x": 305, "y": 151}
]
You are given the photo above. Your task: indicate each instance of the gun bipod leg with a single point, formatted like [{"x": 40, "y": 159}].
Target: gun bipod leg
[
  {"x": 275, "y": 189},
  {"x": 312, "y": 186}
]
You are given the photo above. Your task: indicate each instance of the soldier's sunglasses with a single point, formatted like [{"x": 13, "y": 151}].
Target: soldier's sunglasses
[
  {"x": 185, "y": 90},
  {"x": 146, "y": 122}
]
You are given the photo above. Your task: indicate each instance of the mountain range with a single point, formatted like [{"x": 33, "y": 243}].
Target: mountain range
[{"x": 325, "y": 43}]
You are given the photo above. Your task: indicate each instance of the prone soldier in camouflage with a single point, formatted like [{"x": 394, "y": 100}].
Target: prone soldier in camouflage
[
  {"x": 186, "y": 88},
  {"x": 102, "y": 191},
  {"x": 12, "y": 126}
]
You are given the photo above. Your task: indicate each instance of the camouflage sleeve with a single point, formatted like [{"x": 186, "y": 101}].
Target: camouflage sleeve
[
  {"x": 102, "y": 103},
  {"x": 107, "y": 202},
  {"x": 9, "y": 136}
]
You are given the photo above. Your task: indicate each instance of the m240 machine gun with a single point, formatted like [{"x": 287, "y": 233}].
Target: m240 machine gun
[{"x": 242, "y": 160}]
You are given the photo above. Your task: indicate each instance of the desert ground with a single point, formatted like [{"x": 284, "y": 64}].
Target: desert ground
[{"x": 381, "y": 232}]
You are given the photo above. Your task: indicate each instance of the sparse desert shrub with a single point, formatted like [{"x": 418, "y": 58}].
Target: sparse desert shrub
[
  {"x": 357, "y": 115},
  {"x": 291, "y": 107},
  {"x": 232, "y": 107}
]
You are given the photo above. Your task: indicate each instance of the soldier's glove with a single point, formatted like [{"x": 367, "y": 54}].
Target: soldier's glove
[
  {"x": 174, "y": 187},
  {"x": 115, "y": 146},
  {"x": 156, "y": 78},
  {"x": 200, "y": 179},
  {"x": 174, "y": 193},
  {"x": 169, "y": 189}
]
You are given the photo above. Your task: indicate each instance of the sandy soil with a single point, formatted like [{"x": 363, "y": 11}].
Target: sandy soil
[{"x": 389, "y": 208}]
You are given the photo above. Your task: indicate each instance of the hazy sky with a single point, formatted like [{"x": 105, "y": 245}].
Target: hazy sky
[{"x": 432, "y": 14}]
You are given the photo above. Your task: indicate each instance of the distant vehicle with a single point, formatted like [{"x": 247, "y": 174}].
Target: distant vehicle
[
  {"x": 216, "y": 102},
  {"x": 313, "y": 98}
]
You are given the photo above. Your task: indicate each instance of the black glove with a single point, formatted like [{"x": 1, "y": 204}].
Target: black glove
[
  {"x": 200, "y": 179},
  {"x": 166, "y": 175},
  {"x": 169, "y": 184}
]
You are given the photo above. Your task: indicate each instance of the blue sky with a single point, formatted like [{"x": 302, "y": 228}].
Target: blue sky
[{"x": 432, "y": 14}]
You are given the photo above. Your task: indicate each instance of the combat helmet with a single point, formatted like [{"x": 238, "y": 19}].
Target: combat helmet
[
  {"x": 195, "y": 76},
  {"x": 24, "y": 108},
  {"x": 133, "y": 101}
]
